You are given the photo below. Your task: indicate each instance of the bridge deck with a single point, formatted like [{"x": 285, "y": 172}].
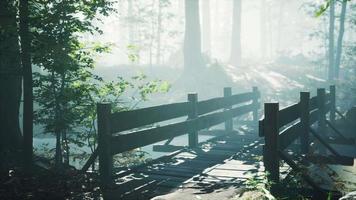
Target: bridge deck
[{"x": 225, "y": 161}]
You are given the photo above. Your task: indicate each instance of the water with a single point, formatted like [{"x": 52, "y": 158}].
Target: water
[{"x": 50, "y": 143}]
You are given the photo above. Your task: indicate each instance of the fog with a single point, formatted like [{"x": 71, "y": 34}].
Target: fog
[
  {"x": 276, "y": 27},
  {"x": 247, "y": 94},
  {"x": 281, "y": 47},
  {"x": 284, "y": 46}
]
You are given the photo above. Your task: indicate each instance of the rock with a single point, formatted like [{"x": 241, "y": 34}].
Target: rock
[{"x": 349, "y": 196}]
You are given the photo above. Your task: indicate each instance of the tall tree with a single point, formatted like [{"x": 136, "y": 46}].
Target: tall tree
[
  {"x": 206, "y": 26},
  {"x": 235, "y": 52},
  {"x": 66, "y": 63},
  {"x": 331, "y": 71},
  {"x": 10, "y": 77},
  {"x": 263, "y": 25},
  {"x": 340, "y": 38},
  {"x": 192, "y": 39},
  {"x": 130, "y": 17},
  {"x": 27, "y": 83},
  {"x": 159, "y": 29}
]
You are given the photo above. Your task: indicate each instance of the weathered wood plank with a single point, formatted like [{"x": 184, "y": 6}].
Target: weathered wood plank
[
  {"x": 193, "y": 114},
  {"x": 223, "y": 102},
  {"x": 228, "y": 123},
  {"x": 165, "y": 172},
  {"x": 313, "y": 117},
  {"x": 328, "y": 107},
  {"x": 183, "y": 168},
  {"x": 90, "y": 161},
  {"x": 327, "y": 97},
  {"x": 166, "y": 148},
  {"x": 270, "y": 149},
  {"x": 330, "y": 159},
  {"x": 296, "y": 168},
  {"x": 217, "y": 118},
  {"x": 340, "y": 140},
  {"x": 304, "y": 122},
  {"x": 126, "y": 142},
  {"x": 332, "y": 89},
  {"x": 289, "y": 135},
  {"x": 313, "y": 103},
  {"x": 289, "y": 114},
  {"x": 336, "y": 131},
  {"x": 126, "y": 120},
  {"x": 323, "y": 142},
  {"x": 104, "y": 135},
  {"x": 260, "y": 128}
]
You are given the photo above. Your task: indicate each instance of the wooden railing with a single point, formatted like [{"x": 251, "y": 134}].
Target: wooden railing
[
  {"x": 201, "y": 115},
  {"x": 281, "y": 128}
]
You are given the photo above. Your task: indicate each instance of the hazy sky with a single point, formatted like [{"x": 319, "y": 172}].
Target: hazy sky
[{"x": 287, "y": 30}]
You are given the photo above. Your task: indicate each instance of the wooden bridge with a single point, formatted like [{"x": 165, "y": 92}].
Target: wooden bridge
[{"x": 223, "y": 162}]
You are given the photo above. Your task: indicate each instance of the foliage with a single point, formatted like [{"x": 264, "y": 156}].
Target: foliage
[
  {"x": 137, "y": 89},
  {"x": 66, "y": 89},
  {"x": 64, "y": 61},
  {"x": 322, "y": 8}
]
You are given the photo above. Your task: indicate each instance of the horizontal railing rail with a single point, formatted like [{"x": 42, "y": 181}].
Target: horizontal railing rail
[
  {"x": 135, "y": 119},
  {"x": 200, "y": 115},
  {"x": 281, "y": 128}
]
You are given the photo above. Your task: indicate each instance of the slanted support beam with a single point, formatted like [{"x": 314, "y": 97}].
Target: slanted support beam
[
  {"x": 270, "y": 149},
  {"x": 296, "y": 168},
  {"x": 228, "y": 123},
  {"x": 323, "y": 142},
  {"x": 305, "y": 122},
  {"x": 90, "y": 161},
  {"x": 104, "y": 141},
  {"x": 336, "y": 131},
  {"x": 193, "y": 114}
]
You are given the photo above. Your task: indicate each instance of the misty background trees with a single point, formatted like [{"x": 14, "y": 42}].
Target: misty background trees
[{"x": 131, "y": 50}]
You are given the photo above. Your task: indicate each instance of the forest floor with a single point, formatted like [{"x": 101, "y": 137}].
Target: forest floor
[{"x": 48, "y": 184}]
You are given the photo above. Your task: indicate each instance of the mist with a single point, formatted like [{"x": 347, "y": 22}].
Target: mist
[{"x": 177, "y": 99}]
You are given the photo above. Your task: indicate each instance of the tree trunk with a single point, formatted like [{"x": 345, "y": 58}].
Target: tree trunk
[
  {"x": 27, "y": 84},
  {"x": 65, "y": 147},
  {"x": 192, "y": 40},
  {"x": 129, "y": 16},
  {"x": 10, "y": 78},
  {"x": 58, "y": 156},
  {"x": 57, "y": 124},
  {"x": 331, "y": 74},
  {"x": 280, "y": 26},
  {"x": 340, "y": 38},
  {"x": 206, "y": 26},
  {"x": 159, "y": 27},
  {"x": 263, "y": 23},
  {"x": 235, "y": 54}
]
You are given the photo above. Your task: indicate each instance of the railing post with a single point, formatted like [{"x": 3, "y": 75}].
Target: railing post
[
  {"x": 256, "y": 104},
  {"x": 228, "y": 123},
  {"x": 333, "y": 102},
  {"x": 104, "y": 138},
  {"x": 270, "y": 149},
  {"x": 321, "y": 115},
  {"x": 193, "y": 136},
  {"x": 305, "y": 122}
]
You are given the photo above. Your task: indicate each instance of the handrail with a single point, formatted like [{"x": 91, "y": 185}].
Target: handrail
[
  {"x": 281, "y": 127},
  {"x": 201, "y": 115},
  {"x": 147, "y": 116}
]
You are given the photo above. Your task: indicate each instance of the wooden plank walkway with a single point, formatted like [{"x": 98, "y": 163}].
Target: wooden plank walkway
[{"x": 223, "y": 162}]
